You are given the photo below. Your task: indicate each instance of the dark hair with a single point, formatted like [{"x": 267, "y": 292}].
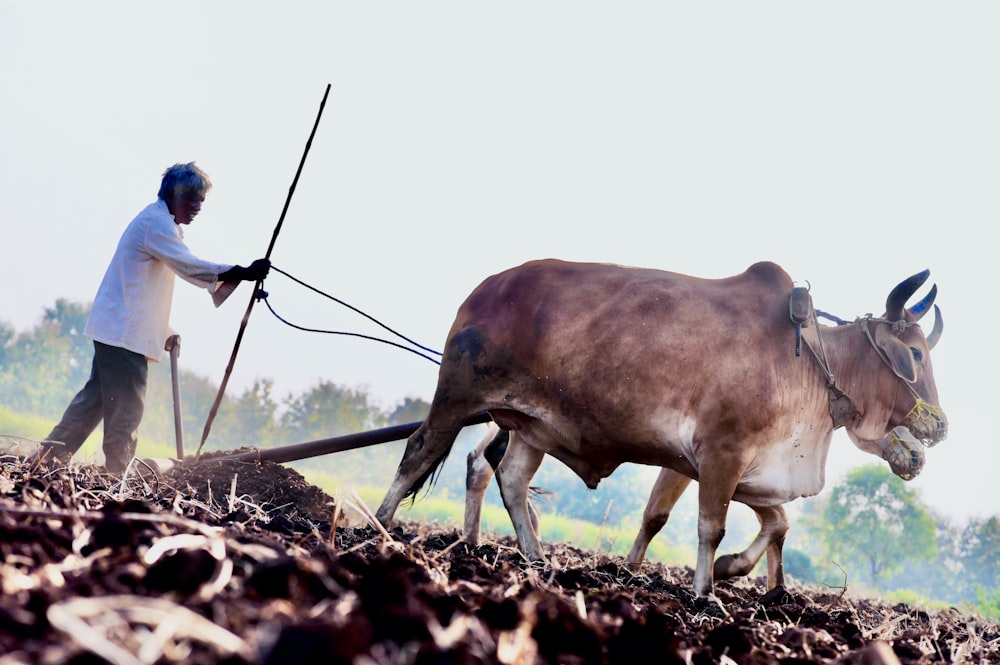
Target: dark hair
[{"x": 184, "y": 178}]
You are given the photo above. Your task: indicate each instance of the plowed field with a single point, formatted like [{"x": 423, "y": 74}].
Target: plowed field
[{"x": 188, "y": 567}]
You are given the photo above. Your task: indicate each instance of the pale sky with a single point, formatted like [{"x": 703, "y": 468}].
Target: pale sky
[{"x": 853, "y": 143}]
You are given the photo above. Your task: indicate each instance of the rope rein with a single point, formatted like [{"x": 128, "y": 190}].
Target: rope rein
[
  {"x": 263, "y": 295},
  {"x": 824, "y": 364}
]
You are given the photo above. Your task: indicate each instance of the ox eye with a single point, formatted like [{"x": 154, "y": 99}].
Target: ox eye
[{"x": 917, "y": 355}]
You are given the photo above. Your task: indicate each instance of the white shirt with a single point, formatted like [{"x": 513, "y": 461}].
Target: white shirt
[{"x": 132, "y": 306}]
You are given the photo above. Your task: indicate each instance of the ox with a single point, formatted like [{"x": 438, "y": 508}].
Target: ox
[{"x": 599, "y": 364}]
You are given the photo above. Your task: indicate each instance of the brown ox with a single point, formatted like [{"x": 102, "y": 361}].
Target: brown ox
[{"x": 600, "y": 364}]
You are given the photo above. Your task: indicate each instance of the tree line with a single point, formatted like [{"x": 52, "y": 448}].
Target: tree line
[
  {"x": 870, "y": 528},
  {"x": 874, "y": 528}
]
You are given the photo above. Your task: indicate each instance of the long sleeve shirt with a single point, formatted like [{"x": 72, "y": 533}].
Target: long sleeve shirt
[{"x": 132, "y": 307}]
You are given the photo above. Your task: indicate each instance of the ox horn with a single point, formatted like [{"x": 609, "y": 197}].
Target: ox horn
[
  {"x": 924, "y": 305},
  {"x": 935, "y": 335},
  {"x": 896, "y": 301}
]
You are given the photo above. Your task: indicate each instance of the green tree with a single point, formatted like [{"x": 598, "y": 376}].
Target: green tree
[
  {"x": 410, "y": 410},
  {"x": 979, "y": 552},
  {"x": 942, "y": 578},
  {"x": 249, "y": 419},
  {"x": 988, "y": 602},
  {"x": 245, "y": 420},
  {"x": 7, "y": 337},
  {"x": 65, "y": 322},
  {"x": 328, "y": 410},
  {"x": 798, "y": 565},
  {"x": 876, "y": 523},
  {"x": 43, "y": 368}
]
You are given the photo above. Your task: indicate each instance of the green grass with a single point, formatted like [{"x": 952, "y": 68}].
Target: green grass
[
  {"x": 31, "y": 427},
  {"x": 912, "y": 598},
  {"x": 37, "y": 428}
]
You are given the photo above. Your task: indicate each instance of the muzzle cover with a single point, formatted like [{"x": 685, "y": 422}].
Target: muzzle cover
[
  {"x": 904, "y": 454},
  {"x": 927, "y": 422}
]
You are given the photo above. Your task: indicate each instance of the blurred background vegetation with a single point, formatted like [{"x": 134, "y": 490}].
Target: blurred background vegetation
[{"x": 870, "y": 533}]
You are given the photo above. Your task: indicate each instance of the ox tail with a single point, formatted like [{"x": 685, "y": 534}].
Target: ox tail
[{"x": 428, "y": 477}]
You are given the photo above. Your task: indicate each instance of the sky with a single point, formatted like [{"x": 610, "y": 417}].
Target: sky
[{"x": 852, "y": 143}]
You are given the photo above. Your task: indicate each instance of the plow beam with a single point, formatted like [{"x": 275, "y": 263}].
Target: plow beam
[{"x": 337, "y": 444}]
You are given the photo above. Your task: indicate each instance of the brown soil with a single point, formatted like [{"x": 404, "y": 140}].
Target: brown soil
[{"x": 185, "y": 568}]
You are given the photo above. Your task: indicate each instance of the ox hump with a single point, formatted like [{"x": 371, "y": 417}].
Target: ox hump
[{"x": 769, "y": 272}]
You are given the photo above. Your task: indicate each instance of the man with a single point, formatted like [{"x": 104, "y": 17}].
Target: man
[{"x": 129, "y": 321}]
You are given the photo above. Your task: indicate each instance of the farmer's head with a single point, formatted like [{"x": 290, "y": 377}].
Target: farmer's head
[{"x": 183, "y": 189}]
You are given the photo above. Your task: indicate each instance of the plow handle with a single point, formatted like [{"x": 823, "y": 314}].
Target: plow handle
[{"x": 175, "y": 352}]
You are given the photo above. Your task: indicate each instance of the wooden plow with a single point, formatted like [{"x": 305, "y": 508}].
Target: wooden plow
[{"x": 299, "y": 451}]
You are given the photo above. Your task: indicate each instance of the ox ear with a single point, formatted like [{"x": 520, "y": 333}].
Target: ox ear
[{"x": 900, "y": 357}]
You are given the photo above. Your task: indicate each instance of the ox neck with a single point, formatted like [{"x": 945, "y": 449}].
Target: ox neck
[{"x": 841, "y": 407}]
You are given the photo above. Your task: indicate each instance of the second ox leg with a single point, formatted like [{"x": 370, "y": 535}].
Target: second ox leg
[
  {"x": 769, "y": 541},
  {"x": 514, "y": 474},
  {"x": 666, "y": 491},
  {"x": 479, "y": 472}
]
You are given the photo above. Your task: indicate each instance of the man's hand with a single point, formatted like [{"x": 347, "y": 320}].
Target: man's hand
[
  {"x": 172, "y": 341},
  {"x": 257, "y": 272}
]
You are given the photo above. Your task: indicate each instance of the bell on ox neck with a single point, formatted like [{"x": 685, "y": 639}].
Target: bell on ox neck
[
  {"x": 799, "y": 309},
  {"x": 841, "y": 408}
]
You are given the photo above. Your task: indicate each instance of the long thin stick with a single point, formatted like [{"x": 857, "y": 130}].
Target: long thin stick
[{"x": 253, "y": 296}]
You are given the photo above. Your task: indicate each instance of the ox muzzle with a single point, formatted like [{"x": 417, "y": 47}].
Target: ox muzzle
[
  {"x": 927, "y": 423},
  {"x": 904, "y": 453},
  {"x": 903, "y": 448}
]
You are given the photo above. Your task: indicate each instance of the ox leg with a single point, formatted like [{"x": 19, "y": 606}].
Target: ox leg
[
  {"x": 666, "y": 491},
  {"x": 769, "y": 541},
  {"x": 715, "y": 490},
  {"x": 514, "y": 475},
  {"x": 425, "y": 451},
  {"x": 775, "y": 560},
  {"x": 479, "y": 472}
]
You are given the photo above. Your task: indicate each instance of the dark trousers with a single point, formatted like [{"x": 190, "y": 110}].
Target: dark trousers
[{"x": 114, "y": 393}]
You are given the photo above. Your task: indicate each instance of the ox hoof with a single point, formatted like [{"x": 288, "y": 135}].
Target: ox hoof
[
  {"x": 161, "y": 465},
  {"x": 776, "y": 597},
  {"x": 879, "y": 653},
  {"x": 729, "y": 565},
  {"x": 709, "y": 604}
]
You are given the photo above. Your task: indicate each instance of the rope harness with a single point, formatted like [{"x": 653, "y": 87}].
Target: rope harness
[
  {"x": 924, "y": 425},
  {"x": 842, "y": 409},
  {"x": 263, "y": 295},
  {"x": 925, "y": 420}
]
